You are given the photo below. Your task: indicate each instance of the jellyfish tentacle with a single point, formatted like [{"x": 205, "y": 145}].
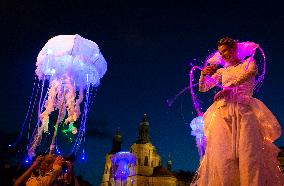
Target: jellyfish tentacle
[
  {"x": 33, "y": 97},
  {"x": 79, "y": 101},
  {"x": 44, "y": 116},
  {"x": 33, "y": 106},
  {"x": 40, "y": 106},
  {"x": 70, "y": 101},
  {"x": 50, "y": 103},
  {"x": 61, "y": 107}
]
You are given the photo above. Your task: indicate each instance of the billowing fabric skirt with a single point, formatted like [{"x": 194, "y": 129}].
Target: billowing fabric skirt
[{"x": 240, "y": 149}]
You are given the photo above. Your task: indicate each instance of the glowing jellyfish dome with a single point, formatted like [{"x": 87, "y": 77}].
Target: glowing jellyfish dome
[
  {"x": 68, "y": 71},
  {"x": 123, "y": 165},
  {"x": 197, "y": 125}
]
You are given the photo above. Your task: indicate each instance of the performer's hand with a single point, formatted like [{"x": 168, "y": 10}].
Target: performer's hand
[
  {"x": 58, "y": 161},
  {"x": 209, "y": 70},
  {"x": 37, "y": 161}
]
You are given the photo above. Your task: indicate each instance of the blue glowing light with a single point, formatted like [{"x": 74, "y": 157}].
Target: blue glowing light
[
  {"x": 83, "y": 157},
  {"x": 197, "y": 125},
  {"x": 120, "y": 162}
]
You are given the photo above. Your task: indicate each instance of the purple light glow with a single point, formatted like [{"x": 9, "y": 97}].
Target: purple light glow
[
  {"x": 197, "y": 125},
  {"x": 121, "y": 162},
  {"x": 68, "y": 68},
  {"x": 196, "y": 104},
  {"x": 244, "y": 49},
  {"x": 71, "y": 64}
]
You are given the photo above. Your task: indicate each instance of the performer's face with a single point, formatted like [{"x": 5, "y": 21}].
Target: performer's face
[{"x": 228, "y": 54}]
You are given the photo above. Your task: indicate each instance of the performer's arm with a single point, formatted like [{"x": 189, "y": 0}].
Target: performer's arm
[
  {"x": 27, "y": 174},
  {"x": 24, "y": 177},
  {"x": 49, "y": 177},
  {"x": 206, "y": 83}
]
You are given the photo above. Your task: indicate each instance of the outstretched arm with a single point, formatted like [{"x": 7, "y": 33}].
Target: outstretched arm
[
  {"x": 25, "y": 176},
  {"x": 49, "y": 177}
]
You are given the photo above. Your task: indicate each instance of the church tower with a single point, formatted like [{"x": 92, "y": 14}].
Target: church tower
[
  {"x": 116, "y": 142},
  {"x": 116, "y": 147},
  {"x": 146, "y": 153},
  {"x": 143, "y": 136},
  {"x": 169, "y": 163}
]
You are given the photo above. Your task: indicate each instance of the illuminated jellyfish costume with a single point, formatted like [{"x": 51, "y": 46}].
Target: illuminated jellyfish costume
[
  {"x": 239, "y": 129},
  {"x": 71, "y": 67},
  {"x": 123, "y": 166},
  {"x": 197, "y": 125}
]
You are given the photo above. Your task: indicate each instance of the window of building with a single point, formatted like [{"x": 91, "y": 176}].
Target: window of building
[{"x": 146, "y": 161}]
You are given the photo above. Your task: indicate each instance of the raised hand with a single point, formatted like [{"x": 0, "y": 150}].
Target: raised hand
[
  {"x": 58, "y": 161},
  {"x": 37, "y": 161},
  {"x": 209, "y": 70}
]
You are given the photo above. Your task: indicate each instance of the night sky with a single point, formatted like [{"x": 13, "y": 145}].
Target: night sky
[{"x": 148, "y": 47}]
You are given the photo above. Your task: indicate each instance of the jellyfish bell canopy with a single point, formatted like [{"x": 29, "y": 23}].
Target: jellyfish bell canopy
[
  {"x": 71, "y": 56},
  {"x": 70, "y": 63}
]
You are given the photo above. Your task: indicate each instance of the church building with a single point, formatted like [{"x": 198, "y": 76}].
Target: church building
[{"x": 148, "y": 169}]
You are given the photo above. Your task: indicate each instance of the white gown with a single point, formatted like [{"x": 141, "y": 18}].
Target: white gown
[{"x": 240, "y": 132}]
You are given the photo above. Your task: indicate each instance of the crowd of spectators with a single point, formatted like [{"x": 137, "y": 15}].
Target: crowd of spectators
[{"x": 48, "y": 170}]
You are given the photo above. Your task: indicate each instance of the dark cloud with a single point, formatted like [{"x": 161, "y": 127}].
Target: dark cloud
[{"x": 98, "y": 130}]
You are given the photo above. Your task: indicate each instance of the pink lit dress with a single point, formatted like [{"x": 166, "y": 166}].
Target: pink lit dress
[{"x": 240, "y": 132}]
